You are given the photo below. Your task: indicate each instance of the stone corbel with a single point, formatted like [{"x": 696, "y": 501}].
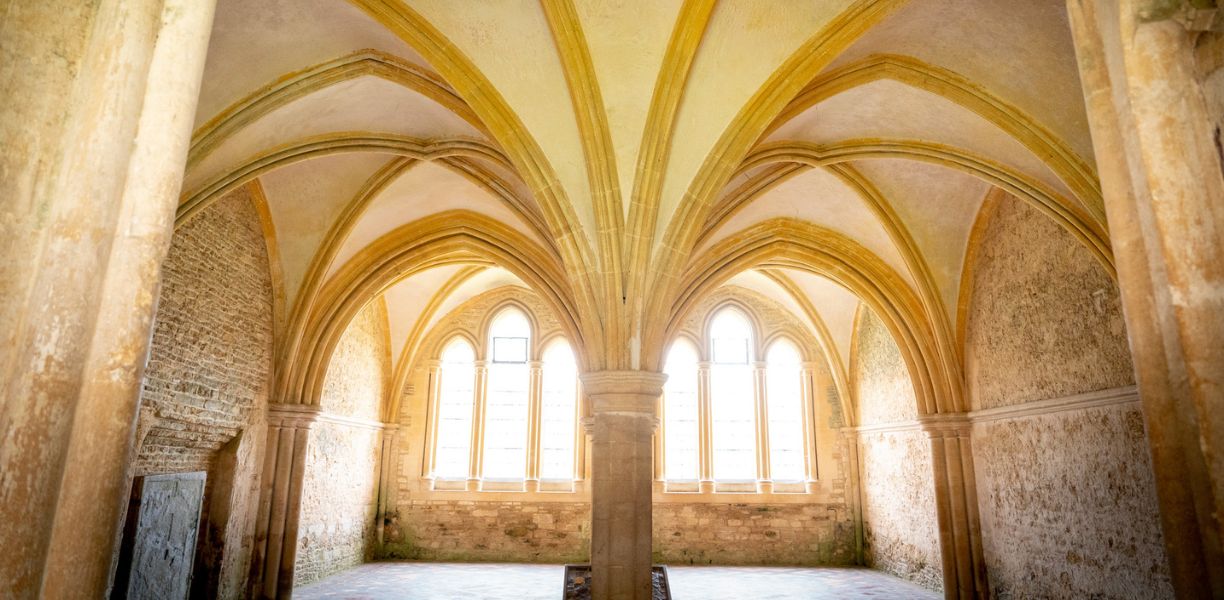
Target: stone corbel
[{"x": 1194, "y": 15}]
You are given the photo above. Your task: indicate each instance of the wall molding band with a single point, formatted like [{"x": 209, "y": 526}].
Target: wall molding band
[
  {"x": 1085, "y": 401},
  {"x": 1096, "y": 399},
  {"x": 305, "y": 415}
]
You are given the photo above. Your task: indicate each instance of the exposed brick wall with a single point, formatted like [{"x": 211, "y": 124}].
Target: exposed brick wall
[
  {"x": 1067, "y": 500},
  {"x": 896, "y": 477},
  {"x": 205, "y": 386},
  {"x": 340, "y": 485},
  {"x": 211, "y": 353}
]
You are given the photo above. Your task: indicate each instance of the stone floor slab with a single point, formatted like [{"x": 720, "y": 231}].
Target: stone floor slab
[{"x": 503, "y": 581}]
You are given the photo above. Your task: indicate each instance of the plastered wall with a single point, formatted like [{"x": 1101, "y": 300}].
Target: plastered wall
[
  {"x": 205, "y": 390},
  {"x": 340, "y": 484},
  {"x": 1065, "y": 488},
  {"x": 896, "y": 475}
]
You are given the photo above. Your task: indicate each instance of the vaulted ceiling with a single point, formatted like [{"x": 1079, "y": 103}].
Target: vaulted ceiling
[{"x": 624, "y": 158}]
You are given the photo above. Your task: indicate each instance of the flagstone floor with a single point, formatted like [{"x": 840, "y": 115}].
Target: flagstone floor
[{"x": 498, "y": 581}]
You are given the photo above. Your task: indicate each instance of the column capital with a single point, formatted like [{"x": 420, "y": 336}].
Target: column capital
[
  {"x": 624, "y": 391},
  {"x": 300, "y": 416},
  {"x": 945, "y": 425}
]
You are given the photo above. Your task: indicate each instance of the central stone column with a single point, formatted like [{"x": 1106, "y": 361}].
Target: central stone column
[{"x": 623, "y": 407}]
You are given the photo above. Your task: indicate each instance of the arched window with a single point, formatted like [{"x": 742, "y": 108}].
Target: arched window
[
  {"x": 732, "y": 397},
  {"x": 558, "y": 412},
  {"x": 784, "y": 399},
  {"x": 506, "y": 404},
  {"x": 456, "y": 384},
  {"x": 680, "y": 413}
]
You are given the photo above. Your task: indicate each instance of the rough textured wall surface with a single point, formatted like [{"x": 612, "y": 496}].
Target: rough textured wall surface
[
  {"x": 1068, "y": 506},
  {"x": 1066, "y": 498},
  {"x": 205, "y": 388},
  {"x": 210, "y": 359},
  {"x": 360, "y": 366},
  {"x": 340, "y": 485},
  {"x": 1045, "y": 319},
  {"x": 885, "y": 394},
  {"x": 339, "y": 500},
  {"x": 754, "y": 534},
  {"x": 900, "y": 533},
  {"x": 502, "y": 531}
]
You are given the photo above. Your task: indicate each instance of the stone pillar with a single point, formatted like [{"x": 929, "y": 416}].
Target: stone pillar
[
  {"x": 98, "y": 101},
  {"x": 623, "y": 405},
  {"x": 386, "y": 477},
  {"x": 960, "y": 535},
  {"x": 1156, "y": 150},
  {"x": 705, "y": 431},
  {"x": 280, "y": 502}
]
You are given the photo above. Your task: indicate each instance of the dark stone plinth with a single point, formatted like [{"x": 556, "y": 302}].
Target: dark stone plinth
[{"x": 578, "y": 583}]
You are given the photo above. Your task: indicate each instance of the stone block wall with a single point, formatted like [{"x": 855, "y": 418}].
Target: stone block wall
[
  {"x": 753, "y": 534},
  {"x": 1065, "y": 487},
  {"x": 684, "y": 533},
  {"x": 490, "y": 531}
]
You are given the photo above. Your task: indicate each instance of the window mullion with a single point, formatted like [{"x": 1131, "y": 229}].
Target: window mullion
[
  {"x": 534, "y": 401},
  {"x": 809, "y": 388},
  {"x": 430, "y": 467},
  {"x": 706, "y": 429},
  {"x": 476, "y": 463},
  {"x": 765, "y": 484}
]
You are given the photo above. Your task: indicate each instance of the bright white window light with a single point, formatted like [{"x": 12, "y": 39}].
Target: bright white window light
[
  {"x": 784, "y": 397},
  {"x": 506, "y": 402},
  {"x": 558, "y": 412},
  {"x": 458, "y": 377},
  {"x": 681, "y": 428}
]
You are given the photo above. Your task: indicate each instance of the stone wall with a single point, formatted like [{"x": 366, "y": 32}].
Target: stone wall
[
  {"x": 753, "y": 533},
  {"x": 339, "y": 500},
  {"x": 1045, "y": 319},
  {"x": 205, "y": 390},
  {"x": 210, "y": 359},
  {"x": 493, "y": 531},
  {"x": 1068, "y": 506},
  {"x": 684, "y": 533},
  {"x": 900, "y": 533},
  {"x": 340, "y": 486},
  {"x": 1065, "y": 487}
]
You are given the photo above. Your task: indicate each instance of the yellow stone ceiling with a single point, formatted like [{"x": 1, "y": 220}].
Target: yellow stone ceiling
[{"x": 620, "y": 156}]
